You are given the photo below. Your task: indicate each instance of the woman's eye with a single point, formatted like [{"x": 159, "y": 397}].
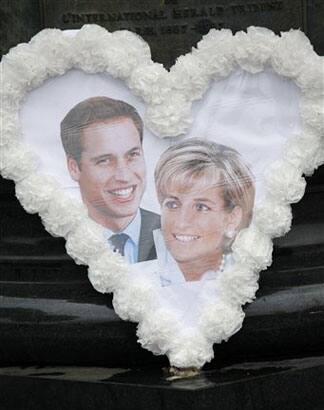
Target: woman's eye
[
  {"x": 134, "y": 154},
  {"x": 202, "y": 207},
  {"x": 171, "y": 204}
]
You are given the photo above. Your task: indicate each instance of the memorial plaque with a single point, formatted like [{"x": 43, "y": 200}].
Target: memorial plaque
[{"x": 172, "y": 27}]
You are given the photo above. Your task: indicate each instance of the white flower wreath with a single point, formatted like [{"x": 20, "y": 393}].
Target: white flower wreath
[{"x": 126, "y": 56}]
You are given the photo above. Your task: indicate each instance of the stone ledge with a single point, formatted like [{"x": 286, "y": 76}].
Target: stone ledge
[{"x": 287, "y": 384}]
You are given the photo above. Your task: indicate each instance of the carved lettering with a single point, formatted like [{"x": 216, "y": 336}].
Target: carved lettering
[
  {"x": 257, "y": 7},
  {"x": 65, "y": 18},
  {"x": 88, "y": 18},
  {"x": 181, "y": 22},
  {"x": 216, "y": 11},
  {"x": 120, "y": 17},
  {"x": 79, "y": 18},
  {"x": 186, "y": 12},
  {"x": 102, "y": 18},
  {"x": 146, "y": 31},
  {"x": 176, "y": 29},
  {"x": 175, "y": 13}
]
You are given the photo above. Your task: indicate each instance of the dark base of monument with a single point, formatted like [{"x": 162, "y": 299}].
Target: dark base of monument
[{"x": 289, "y": 384}]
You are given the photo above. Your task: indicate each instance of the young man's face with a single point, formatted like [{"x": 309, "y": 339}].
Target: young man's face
[{"x": 112, "y": 171}]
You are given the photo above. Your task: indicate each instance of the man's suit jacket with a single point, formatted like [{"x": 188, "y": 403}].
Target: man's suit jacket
[{"x": 149, "y": 222}]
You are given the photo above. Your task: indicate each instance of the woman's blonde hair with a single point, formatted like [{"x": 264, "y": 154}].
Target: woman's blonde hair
[{"x": 218, "y": 164}]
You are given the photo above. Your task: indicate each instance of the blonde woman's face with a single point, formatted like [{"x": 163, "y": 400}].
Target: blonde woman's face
[{"x": 195, "y": 222}]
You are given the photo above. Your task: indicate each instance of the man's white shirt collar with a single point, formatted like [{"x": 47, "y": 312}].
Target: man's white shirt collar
[{"x": 133, "y": 229}]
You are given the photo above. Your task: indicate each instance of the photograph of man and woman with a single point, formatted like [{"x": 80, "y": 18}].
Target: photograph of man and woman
[
  {"x": 205, "y": 190},
  {"x": 201, "y": 186}
]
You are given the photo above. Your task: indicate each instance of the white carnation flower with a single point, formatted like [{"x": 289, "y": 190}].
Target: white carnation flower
[
  {"x": 108, "y": 272},
  {"x": 189, "y": 76},
  {"x": 190, "y": 349},
  {"x": 126, "y": 52},
  {"x": 157, "y": 329},
  {"x": 132, "y": 301},
  {"x": 90, "y": 45},
  {"x": 312, "y": 113},
  {"x": 293, "y": 50},
  {"x": 10, "y": 129},
  {"x": 36, "y": 191},
  {"x": 134, "y": 44},
  {"x": 17, "y": 162},
  {"x": 170, "y": 119},
  {"x": 301, "y": 151},
  {"x": 27, "y": 64},
  {"x": 317, "y": 160},
  {"x": 238, "y": 285},
  {"x": 216, "y": 52},
  {"x": 311, "y": 78},
  {"x": 13, "y": 87},
  {"x": 56, "y": 48},
  {"x": 62, "y": 215},
  {"x": 284, "y": 181},
  {"x": 151, "y": 82},
  {"x": 252, "y": 50},
  {"x": 220, "y": 321},
  {"x": 86, "y": 242},
  {"x": 253, "y": 248},
  {"x": 273, "y": 217}
]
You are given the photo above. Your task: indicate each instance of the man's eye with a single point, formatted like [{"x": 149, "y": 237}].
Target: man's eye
[
  {"x": 103, "y": 161},
  {"x": 202, "y": 207},
  {"x": 171, "y": 204}
]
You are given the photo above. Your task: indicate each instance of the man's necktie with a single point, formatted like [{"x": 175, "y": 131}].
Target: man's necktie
[{"x": 118, "y": 242}]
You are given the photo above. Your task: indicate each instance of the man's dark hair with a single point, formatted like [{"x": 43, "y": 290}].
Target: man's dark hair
[{"x": 90, "y": 111}]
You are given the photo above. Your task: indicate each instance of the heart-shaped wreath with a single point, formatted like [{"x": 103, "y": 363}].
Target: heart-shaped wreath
[{"x": 182, "y": 320}]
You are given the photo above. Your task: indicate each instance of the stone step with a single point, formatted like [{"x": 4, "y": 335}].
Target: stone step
[
  {"x": 50, "y": 314},
  {"x": 63, "y": 314},
  {"x": 295, "y": 383}
]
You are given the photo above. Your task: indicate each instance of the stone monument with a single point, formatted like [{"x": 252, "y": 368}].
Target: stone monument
[{"x": 38, "y": 278}]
